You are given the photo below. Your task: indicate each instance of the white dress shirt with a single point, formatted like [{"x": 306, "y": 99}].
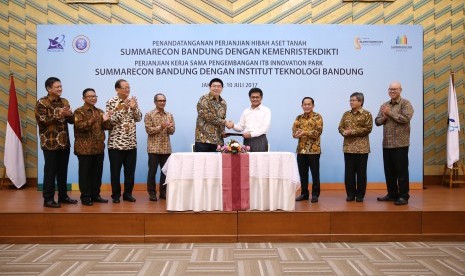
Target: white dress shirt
[{"x": 254, "y": 120}]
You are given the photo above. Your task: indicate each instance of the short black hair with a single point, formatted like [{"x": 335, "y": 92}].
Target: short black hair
[
  {"x": 118, "y": 83},
  {"x": 50, "y": 81},
  {"x": 216, "y": 80},
  {"x": 256, "y": 90},
  {"x": 158, "y": 94},
  {"x": 308, "y": 98},
  {"x": 87, "y": 90},
  {"x": 359, "y": 96}
]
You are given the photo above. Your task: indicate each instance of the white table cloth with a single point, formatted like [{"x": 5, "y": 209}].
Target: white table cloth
[{"x": 195, "y": 181}]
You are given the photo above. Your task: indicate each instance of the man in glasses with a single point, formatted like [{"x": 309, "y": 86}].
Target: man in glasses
[
  {"x": 90, "y": 124},
  {"x": 122, "y": 142},
  {"x": 159, "y": 125},
  {"x": 395, "y": 115},
  {"x": 211, "y": 119}
]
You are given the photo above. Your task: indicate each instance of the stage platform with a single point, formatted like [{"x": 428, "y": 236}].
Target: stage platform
[{"x": 433, "y": 214}]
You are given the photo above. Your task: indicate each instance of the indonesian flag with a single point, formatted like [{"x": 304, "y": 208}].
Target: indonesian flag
[
  {"x": 453, "y": 127},
  {"x": 13, "y": 157}
]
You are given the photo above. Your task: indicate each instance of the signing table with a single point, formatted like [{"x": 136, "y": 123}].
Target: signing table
[{"x": 195, "y": 181}]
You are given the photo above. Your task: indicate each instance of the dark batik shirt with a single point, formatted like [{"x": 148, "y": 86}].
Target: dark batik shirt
[
  {"x": 53, "y": 128},
  {"x": 211, "y": 120},
  {"x": 89, "y": 134},
  {"x": 396, "y": 130}
]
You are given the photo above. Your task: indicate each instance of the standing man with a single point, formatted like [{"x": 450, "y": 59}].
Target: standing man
[
  {"x": 122, "y": 142},
  {"x": 53, "y": 114},
  {"x": 90, "y": 124},
  {"x": 255, "y": 122},
  {"x": 308, "y": 128},
  {"x": 211, "y": 119},
  {"x": 159, "y": 125},
  {"x": 395, "y": 116},
  {"x": 355, "y": 126}
]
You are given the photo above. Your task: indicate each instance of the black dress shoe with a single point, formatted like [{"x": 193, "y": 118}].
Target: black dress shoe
[
  {"x": 52, "y": 204},
  {"x": 100, "y": 200},
  {"x": 359, "y": 199},
  {"x": 301, "y": 197},
  {"x": 87, "y": 202},
  {"x": 314, "y": 199},
  {"x": 386, "y": 198},
  {"x": 67, "y": 200},
  {"x": 129, "y": 198},
  {"x": 153, "y": 198},
  {"x": 350, "y": 198},
  {"x": 401, "y": 201},
  {"x": 116, "y": 200}
]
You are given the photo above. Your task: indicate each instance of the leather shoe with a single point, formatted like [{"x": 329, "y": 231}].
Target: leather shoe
[
  {"x": 100, "y": 200},
  {"x": 301, "y": 197},
  {"x": 359, "y": 199},
  {"x": 386, "y": 198},
  {"x": 401, "y": 201},
  {"x": 87, "y": 202},
  {"x": 67, "y": 200},
  {"x": 129, "y": 198},
  {"x": 153, "y": 198},
  {"x": 116, "y": 200},
  {"x": 52, "y": 204},
  {"x": 314, "y": 199},
  {"x": 350, "y": 198}
]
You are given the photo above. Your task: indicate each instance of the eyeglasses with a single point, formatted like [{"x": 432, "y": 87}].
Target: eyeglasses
[
  {"x": 124, "y": 88},
  {"x": 161, "y": 101},
  {"x": 92, "y": 96},
  {"x": 393, "y": 89},
  {"x": 216, "y": 86}
]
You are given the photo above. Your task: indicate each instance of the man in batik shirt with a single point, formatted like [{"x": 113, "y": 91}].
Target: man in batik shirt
[
  {"x": 355, "y": 126},
  {"x": 53, "y": 114},
  {"x": 308, "y": 128}
]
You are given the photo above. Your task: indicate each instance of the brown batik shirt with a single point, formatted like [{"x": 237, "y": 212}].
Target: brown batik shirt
[
  {"x": 360, "y": 124},
  {"x": 53, "y": 128},
  {"x": 396, "y": 130},
  {"x": 312, "y": 125},
  {"x": 89, "y": 134}
]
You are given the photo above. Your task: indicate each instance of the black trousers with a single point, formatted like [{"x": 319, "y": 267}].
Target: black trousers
[
  {"x": 355, "y": 174},
  {"x": 155, "y": 160},
  {"x": 118, "y": 159},
  {"x": 90, "y": 176},
  {"x": 204, "y": 147},
  {"x": 304, "y": 161},
  {"x": 55, "y": 171},
  {"x": 257, "y": 144},
  {"x": 396, "y": 172}
]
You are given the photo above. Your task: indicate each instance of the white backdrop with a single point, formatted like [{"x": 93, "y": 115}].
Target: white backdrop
[{"x": 288, "y": 62}]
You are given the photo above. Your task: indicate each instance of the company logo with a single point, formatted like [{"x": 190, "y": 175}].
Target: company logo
[
  {"x": 81, "y": 44},
  {"x": 56, "y": 44},
  {"x": 401, "y": 44},
  {"x": 360, "y": 42},
  {"x": 453, "y": 126}
]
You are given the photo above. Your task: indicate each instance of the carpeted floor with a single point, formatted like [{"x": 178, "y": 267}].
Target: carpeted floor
[{"x": 394, "y": 258}]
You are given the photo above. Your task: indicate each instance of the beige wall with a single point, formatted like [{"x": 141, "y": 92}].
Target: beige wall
[{"x": 442, "y": 21}]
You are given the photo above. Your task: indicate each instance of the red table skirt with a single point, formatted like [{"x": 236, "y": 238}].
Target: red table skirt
[{"x": 236, "y": 194}]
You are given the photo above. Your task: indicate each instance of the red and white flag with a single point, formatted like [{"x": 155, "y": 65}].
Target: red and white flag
[{"x": 13, "y": 157}]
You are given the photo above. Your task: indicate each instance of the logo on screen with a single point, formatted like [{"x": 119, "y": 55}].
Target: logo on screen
[
  {"x": 81, "y": 44},
  {"x": 56, "y": 44},
  {"x": 401, "y": 44},
  {"x": 360, "y": 42}
]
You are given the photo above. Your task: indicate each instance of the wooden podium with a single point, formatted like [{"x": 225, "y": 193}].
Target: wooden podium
[{"x": 452, "y": 175}]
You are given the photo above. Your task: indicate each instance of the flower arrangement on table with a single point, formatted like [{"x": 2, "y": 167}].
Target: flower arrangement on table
[{"x": 233, "y": 147}]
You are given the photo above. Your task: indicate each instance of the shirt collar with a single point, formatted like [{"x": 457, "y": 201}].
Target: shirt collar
[
  {"x": 395, "y": 102},
  {"x": 212, "y": 98}
]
